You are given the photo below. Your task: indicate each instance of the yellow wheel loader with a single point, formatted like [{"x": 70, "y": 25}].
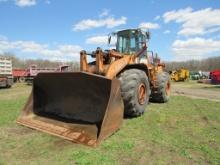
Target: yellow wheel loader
[
  {"x": 180, "y": 75},
  {"x": 88, "y": 106}
]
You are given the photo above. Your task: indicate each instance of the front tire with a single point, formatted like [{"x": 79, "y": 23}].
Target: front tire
[{"x": 135, "y": 91}]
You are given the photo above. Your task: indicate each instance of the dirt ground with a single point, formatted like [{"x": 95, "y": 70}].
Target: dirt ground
[{"x": 196, "y": 90}]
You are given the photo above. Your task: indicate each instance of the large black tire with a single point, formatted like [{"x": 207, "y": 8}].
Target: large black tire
[
  {"x": 21, "y": 79},
  {"x": 162, "y": 93},
  {"x": 9, "y": 82},
  {"x": 134, "y": 85}
]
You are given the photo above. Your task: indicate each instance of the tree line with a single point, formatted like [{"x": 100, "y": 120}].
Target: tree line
[
  {"x": 24, "y": 64},
  {"x": 207, "y": 64}
]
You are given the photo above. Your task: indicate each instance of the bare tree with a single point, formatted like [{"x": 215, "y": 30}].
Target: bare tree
[
  {"x": 208, "y": 64},
  {"x": 23, "y": 64}
]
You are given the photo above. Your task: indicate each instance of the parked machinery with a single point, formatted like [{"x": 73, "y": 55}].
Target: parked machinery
[
  {"x": 180, "y": 75},
  {"x": 33, "y": 70},
  {"x": 27, "y": 75},
  {"x": 88, "y": 106},
  {"x": 19, "y": 75},
  {"x": 6, "y": 78},
  {"x": 215, "y": 77}
]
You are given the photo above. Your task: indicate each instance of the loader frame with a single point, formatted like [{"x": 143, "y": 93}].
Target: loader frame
[{"x": 87, "y": 106}]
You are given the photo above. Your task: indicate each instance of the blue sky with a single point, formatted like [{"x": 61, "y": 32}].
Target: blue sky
[{"x": 58, "y": 30}]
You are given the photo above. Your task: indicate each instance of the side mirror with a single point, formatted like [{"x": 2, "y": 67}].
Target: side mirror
[
  {"x": 109, "y": 39},
  {"x": 148, "y": 35}
]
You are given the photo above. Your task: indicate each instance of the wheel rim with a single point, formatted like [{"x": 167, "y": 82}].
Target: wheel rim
[
  {"x": 168, "y": 88},
  {"x": 141, "y": 94}
]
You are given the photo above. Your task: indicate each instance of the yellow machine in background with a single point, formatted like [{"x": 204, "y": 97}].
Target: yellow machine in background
[{"x": 180, "y": 75}]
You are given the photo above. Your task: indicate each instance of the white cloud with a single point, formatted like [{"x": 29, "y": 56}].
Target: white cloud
[
  {"x": 104, "y": 13},
  {"x": 157, "y": 18},
  {"x": 166, "y": 32},
  {"x": 149, "y": 25},
  {"x": 25, "y": 3},
  {"x": 97, "y": 40},
  {"x": 93, "y": 23},
  {"x": 101, "y": 40},
  {"x": 2, "y": 37},
  {"x": 176, "y": 15},
  {"x": 65, "y": 51},
  {"x": 195, "y": 48},
  {"x": 194, "y": 23}
]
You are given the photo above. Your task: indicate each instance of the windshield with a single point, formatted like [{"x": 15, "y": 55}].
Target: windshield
[{"x": 129, "y": 42}]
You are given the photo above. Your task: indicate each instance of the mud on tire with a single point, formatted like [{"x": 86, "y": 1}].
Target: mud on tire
[
  {"x": 162, "y": 93},
  {"x": 135, "y": 91}
]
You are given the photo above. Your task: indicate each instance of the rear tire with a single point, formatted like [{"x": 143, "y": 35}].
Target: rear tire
[
  {"x": 21, "y": 79},
  {"x": 162, "y": 93},
  {"x": 135, "y": 91}
]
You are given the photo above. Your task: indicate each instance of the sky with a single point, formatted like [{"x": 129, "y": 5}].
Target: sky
[{"x": 58, "y": 30}]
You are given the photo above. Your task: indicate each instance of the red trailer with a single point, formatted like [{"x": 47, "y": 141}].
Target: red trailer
[
  {"x": 19, "y": 75},
  {"x": 33, "y": 70},
  {"x": 27, "y": 75},
  {"x": 215, "y": 76}
]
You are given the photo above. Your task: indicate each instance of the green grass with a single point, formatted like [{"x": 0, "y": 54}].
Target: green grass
[{"x": 183, "y": 131}]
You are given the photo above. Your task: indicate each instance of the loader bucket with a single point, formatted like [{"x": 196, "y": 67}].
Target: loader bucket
[{"x": 78, "y": 106}]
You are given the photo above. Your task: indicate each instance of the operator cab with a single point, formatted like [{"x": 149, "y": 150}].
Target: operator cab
[{"x": 131, "y": 41}]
